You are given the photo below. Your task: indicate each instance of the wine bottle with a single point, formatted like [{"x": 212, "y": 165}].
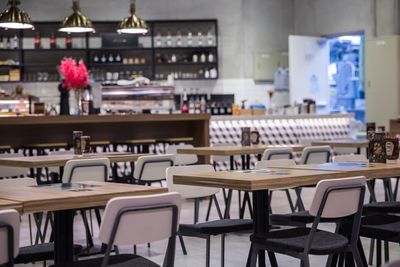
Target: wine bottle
[
  {"x": 53, "y": 42},
  {"x": 8, "y": 42},
  {"x": 15, "y": 43},
  {"x": 185, "y": 106},
  {"x": 68, "y": 41}
]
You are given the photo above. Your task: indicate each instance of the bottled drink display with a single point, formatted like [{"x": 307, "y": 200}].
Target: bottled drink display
[
  {"x": 53, "y": 42},
  {"x": 38, "y": 41},
  {"x": 68, "y": 41}
]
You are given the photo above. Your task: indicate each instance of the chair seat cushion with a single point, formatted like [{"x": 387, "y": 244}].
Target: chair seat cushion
[
  {"x": 294, "y": 240},
  {"x": 382, "y": 207},
  {"x": 122, "y": 260},
  {"x": 216, "y": 227},
  {"x": 40, "y": 252},
  {"x": 384, "y": 227},
  {"x": 295, "y": 218}
]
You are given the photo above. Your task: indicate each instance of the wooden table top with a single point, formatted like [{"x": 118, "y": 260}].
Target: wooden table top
[
  {"x": 369, "y": 170},
  {"x": 52, "y": 197},
  {"x": 60, "y": 160},
  {"x": 7, "y": 204},
  {"x": 350, "y": 143},
  {"x": 299, "y": 175},
  {"x": 234, "y": 150},
  {"x": 254, "y": 180}
]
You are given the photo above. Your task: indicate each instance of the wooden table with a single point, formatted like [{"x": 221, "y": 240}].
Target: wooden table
[
  {"x": 64, "y": 202},
  {"x": 232, "y": 151},
  {"x": 38, "y": 162},
  {"x": 260, "y": 182},
  {"x": 7, "y": 204},
  {"x": 343, "y": 143}
]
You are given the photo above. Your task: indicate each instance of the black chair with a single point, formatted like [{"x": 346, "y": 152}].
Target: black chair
[
  {"x": 205, "y": 229},
  {"x": 337, "y": 198}
]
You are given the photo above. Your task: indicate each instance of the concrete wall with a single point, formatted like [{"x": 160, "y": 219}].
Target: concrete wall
[
  {"x": 245, "y": 26},
  {"x": 323, "y": 17}
]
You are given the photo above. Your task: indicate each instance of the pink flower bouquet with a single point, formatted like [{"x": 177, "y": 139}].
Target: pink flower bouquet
[{"x": 76, "y": 75}]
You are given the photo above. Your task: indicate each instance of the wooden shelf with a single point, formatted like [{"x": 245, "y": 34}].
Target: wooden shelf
[{"x": 44, "y": 59}]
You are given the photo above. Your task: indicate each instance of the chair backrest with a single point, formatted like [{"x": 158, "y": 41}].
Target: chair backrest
[
  {"x": 152, "y": 168},
  {"x": 315, "y": 155},
  {"x": 9, "y": 235},
  {"x": 350, "y": 158},
  {"x": 392, "y": 264},
  {"x": 277, "y": 153},
  {"x": 188, "y": 191},
  {"x": 221, "y": 158},
  {"x": 265, "y": 164},
  {"x": 140, "y": 219},
  {"x": 6, "y": 171},
  {"x": 77, "y": 170},
  {"x": 181, "y": 159},
  {"x": 338, "y": 197},
  {"x": 59, "y": 152}
]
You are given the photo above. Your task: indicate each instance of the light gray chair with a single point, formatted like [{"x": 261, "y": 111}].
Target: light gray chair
[
  {"x": 151, "y": 169},
  {"x": 205, "y": 229},
  {"x": 265, "y": 164},
  {"x": 277, "y": 153},
  {"x": 315, "y": 155},
  {"x": 137, "y": 220},
  {"x": 181, "y": 159},
  {"x": 78, "y": 170},
  {"x": 9, "y": 236}
]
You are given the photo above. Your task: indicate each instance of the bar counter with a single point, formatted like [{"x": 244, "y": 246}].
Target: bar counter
[{"x": 20, "y": 131}]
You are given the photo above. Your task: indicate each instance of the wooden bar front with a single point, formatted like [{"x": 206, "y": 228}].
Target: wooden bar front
[{"x": 20, "y": 131}]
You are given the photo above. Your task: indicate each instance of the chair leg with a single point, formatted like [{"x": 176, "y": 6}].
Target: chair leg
[
  {"x": 222, "y": 250},
  {"x": 196, "y": 210},
  {"x": 371, "y": 252},
  {"x": 209, "y": 208},
  {"x": 253, "y": 255},
  {"x": 208, "y": 251},
  {"x": 299, "y": 201},
  {"x": 305, "y": 262},
  {"x": 378, "y": 252},
  {"x": 289, "y": 197},
  {"x": 386, "y": 250},
  {"x": 182, "y": 242},
  {"x": 217, "y": 206},
  {"x": 357, "y": 257},
  {"x": 272, "y": 259},
  {"x": 361, "y": 252}
]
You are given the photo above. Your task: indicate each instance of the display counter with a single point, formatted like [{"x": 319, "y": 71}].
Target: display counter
[{"x": 281, "y": 129}]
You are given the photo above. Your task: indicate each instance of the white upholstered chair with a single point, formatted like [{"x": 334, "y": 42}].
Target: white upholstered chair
[
  {"x": 181, "y": 159},
  {"x": 9, "y": 236},
  {"x": 150, "y": 169}
]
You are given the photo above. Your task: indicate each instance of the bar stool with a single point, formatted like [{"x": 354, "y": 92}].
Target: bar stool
[
  {"x": 136, "y": 145},
  {"x": 104, "y": 145}
]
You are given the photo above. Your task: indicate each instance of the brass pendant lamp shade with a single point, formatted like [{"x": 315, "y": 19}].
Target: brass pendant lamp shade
[
  {"x": 14, "y": 17},
  {"x": 76, "y": 22},
  {"x": 133, "y": 24}
]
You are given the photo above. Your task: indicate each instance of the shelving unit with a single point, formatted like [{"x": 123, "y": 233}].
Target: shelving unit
[{"x": 148, "y": 55}]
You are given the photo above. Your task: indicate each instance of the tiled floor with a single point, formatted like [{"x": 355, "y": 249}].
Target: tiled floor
[{"x": 237, "y": 246}]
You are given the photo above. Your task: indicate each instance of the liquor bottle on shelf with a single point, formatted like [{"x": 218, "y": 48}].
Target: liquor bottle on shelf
[
  {"x": 185, "y": 104},
  {"x": 210, "y": 41},
  {"x": 96, "y": 59},
  {"x": 173, "y": 58},
  {"x": 169, "y": 39},
  {"x": 207, "y": 74},
  {"x": 203, "y": 58},
  {"x": 199, "y": 39},
  {"x": 1, "y": 42},
  {"x": 15, "y": 42},
  {"x": 110, "y": 58},
  {"x": 158, "y": 40},
  {"x": 68, "y": 41},
  {"x": 192, "y": 108},
  {"x": 53, "y": 41},
  {"x": 103, "y": 58},
  {"x": 210, "y": 57},
  {"x": 222, "y": 109},
  {"x": 195, "y": 58},
  {"x": 8, "y": 43},
  {"x": 189, "y": 39},
  {"x": 178, "y": 39},
  {"x": 118, "y": 58},
  {"x": 203, "y": 105}
]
